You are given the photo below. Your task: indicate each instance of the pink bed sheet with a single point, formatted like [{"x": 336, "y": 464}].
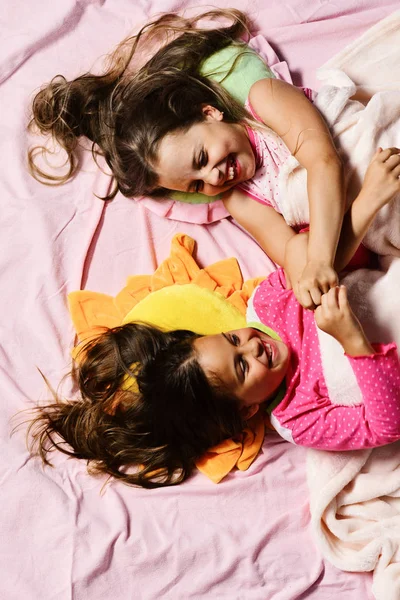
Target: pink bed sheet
[{"x": 63, "y": 535}]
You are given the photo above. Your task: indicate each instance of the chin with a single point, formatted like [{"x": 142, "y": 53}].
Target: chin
[
  {"x": 230, "y": 187},
  {"x": 215, "y": 193},
  {"x": 252, "y": 171}
]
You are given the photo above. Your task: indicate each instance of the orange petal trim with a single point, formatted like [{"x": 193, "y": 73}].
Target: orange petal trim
[{"x": 91, "y": 312}]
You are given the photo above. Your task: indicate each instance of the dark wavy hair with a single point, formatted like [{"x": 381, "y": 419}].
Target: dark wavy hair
[
  {"x": 149, "y": 437},
  {"x": 126, "y": 112}
]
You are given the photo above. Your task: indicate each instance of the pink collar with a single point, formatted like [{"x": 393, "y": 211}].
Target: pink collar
[{"x": 254, "y": 143}]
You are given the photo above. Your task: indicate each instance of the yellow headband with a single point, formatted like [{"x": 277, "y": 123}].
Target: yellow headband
[{"x": 129, "y": 382}]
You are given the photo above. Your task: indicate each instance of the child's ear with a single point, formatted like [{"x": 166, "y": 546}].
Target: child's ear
[
  {"x": 248, "y": 411},
  {"x": 211, "y": 113}
]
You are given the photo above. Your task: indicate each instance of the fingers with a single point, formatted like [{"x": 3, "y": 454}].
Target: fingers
[
  {"x": 305, "y": 299},
  {"x": 330, "y": 283},
  {"x": 335, "y": 300},
  {"x": 393, "y": 161},
  {"x": 330, "y": 300},
  {"x": 342, "y": 297},
  {"x": 384, "y": 155},
  {"x": 326, "y": 314},
  {"x": 310, "y": 297},
  {"x": 377, "y": 153},
  {"x": 316, "y": 294},
  {"x": 396, "y": 170},
  {"x": 316, "y": 280}
]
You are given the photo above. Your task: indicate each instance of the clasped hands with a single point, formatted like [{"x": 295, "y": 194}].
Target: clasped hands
[{"x": 311, "y": 281}]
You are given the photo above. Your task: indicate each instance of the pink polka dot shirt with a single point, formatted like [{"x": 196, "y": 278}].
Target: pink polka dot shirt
[{"x": 306, "y": 416}]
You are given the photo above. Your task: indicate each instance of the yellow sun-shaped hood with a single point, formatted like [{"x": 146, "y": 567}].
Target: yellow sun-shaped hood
[{"x": 180, "y": 295}]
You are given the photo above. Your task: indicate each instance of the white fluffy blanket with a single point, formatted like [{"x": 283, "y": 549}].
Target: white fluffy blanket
[{"x": 355, "y": 496}]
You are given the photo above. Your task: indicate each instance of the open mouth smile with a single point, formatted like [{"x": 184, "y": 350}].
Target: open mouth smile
[
  {"x": 270, "y": 353},
  {"x": 232, "y": 168}
]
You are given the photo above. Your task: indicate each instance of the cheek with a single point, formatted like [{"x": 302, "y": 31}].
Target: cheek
[
  {"x": 261, "y": 382},
  {"x": 266, "y": 383}
]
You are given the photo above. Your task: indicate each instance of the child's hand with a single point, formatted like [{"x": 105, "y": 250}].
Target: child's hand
[
  {"x": 381, "y": 181},
  {"x": 316, "y": 279},
  {"x": 334, "y": 316}
]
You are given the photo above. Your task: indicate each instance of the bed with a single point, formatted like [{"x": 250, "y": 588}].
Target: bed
[{"x": 66, "y": 535}]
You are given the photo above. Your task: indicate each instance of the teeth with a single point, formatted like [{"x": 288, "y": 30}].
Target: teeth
[
  {"x": 269, "y": 355},
  {"x": 231, "y": 169},
  {"x": 268, "y": 352}
]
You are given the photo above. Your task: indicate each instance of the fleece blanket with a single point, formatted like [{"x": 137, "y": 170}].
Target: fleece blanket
[
  {"x": 355, "y": 496},
  {"x": 63, "y": 534}
]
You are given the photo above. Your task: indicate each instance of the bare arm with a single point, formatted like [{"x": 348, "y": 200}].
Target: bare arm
[
  {"x": 283, "y": 245},
  {"x": 267, "y": 226},
  {"x": 289, "y": 249},
  {"x": 288, "y": 112},
  {"x": 380, "y": 184},
  {"x": 355, "y": 225}
]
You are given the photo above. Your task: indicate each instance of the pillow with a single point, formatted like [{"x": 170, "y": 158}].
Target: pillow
[
  {"x": 201, "y": 310},
  {"x": 181, "y": 295}
]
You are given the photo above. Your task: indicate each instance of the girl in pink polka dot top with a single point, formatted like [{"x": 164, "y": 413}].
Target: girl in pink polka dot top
[
  {"x": 278, "y": 363},
  {"x": 162, "y": 399}
]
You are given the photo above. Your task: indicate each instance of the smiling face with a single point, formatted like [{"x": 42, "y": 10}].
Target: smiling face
[
  {"x": 250, "y": 364},
  {"x": 210, "y": 157}
]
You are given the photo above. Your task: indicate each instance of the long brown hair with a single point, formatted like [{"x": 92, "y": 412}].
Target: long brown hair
[
  {"x": 149, "y": 436},
  {"x": 126, "y": 111}
]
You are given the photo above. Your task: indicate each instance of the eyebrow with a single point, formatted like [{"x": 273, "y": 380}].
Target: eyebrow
[
  {"x": 236, "y": 366},
  {"x": 189, "y": 188},
  {"x": 194, "y": 161},
  {"x": 194, "y": 167}
]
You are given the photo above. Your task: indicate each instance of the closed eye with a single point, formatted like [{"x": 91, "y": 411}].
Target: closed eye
[
  {"x": 242, "y": 362},
  {"x": 203, "y": 159},
  {"x": 235, "y": 339},
  {"x": 201, "y": 162},
  {"x": 244, "y": 366}
]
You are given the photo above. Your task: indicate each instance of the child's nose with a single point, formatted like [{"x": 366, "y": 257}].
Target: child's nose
[
  {"x": 252, "y": 347},
  {"x": 213, "y": 177}
]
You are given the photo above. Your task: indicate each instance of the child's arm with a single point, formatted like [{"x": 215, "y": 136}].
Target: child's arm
[
  {"x": 377, "y": 370},
  {"x": 316, "y": 422},
  {"x": 266, "y": 225},
  {"x": 289, "y": 249},
  {"x": 381, "y": 183},
  {"x": 289, "y": 113}
]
